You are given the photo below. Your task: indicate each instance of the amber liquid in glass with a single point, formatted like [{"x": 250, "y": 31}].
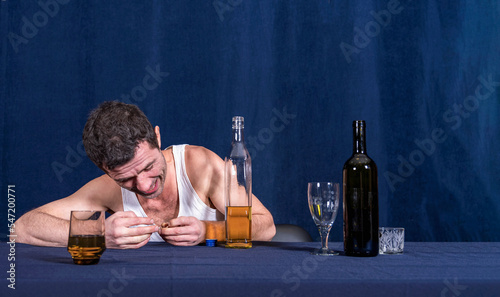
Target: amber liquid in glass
[
  {"x": 86, "y": 249},
  {"x": 239, "y": 226}
]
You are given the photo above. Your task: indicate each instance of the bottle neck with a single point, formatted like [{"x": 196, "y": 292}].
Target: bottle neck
[
  {"x": 238, "y": 135},
  {"x": 359, "y": 140},
  {"x": 238, "y": 125}
]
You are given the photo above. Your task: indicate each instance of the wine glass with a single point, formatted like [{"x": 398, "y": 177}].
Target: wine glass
[{"x": 323, "y": 198}]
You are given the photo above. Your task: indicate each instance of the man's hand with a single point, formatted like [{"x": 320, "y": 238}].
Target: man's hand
[
  {"x": 120, "y": 233},
  {"x": 184, "y": 231}
]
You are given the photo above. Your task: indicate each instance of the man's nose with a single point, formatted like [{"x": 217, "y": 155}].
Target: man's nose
[{"x": 143, "y": 183}]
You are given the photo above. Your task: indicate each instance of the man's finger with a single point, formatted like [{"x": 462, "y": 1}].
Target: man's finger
[
  {"x": 136, "y": 245},
  {"x": 181, "y": 239},
  {"x": 132, "y": 240},
  {"x": 134, "y": 221},
  {"x": 134, "y": 231},
  {"x": 172, "y": 231},
  {"x": 180, "y": 221}
]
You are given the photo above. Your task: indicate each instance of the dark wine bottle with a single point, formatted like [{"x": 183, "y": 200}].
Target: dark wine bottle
[{"x": 360, "y": 197}]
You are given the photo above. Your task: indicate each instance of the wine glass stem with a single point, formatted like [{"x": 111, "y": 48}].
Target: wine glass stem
[{"x": 324, "y": 232}]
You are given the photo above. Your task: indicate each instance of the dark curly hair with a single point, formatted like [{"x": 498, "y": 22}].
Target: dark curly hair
[{"x": 113, "y": 132}]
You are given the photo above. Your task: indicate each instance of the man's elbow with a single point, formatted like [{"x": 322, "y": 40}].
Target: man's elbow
[
  {"x": 270, "y": 232},
  {"x": 267, "y": 232},
  {"x": 17, "y": 232},
  {"x": 22, "y": 231}
]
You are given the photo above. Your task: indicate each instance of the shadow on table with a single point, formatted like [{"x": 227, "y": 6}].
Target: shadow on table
[
  {"x": 62, "y": 258},
  {"x": 52, "y": 259},
  {"x": 302, "y": 247}
]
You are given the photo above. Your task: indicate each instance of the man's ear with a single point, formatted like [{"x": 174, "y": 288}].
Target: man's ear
[{"x": 158, "y": 138}]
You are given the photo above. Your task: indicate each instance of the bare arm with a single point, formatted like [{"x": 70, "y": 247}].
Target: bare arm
[
  {"x": 48, "y": 225},
  {"x": 39, "y": 228}
]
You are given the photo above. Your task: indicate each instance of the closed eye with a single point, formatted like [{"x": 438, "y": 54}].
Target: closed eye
[
  {"x": 122, "y": 181},
  {"x": 149, "y": 167}
]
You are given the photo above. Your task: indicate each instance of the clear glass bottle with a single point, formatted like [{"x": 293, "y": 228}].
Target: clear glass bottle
[
  {"x": 360, "y": 191},
  {"x": 238, "y": 190}
]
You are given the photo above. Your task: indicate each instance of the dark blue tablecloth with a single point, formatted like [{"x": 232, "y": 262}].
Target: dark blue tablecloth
[{"x": 268, "y": 269}]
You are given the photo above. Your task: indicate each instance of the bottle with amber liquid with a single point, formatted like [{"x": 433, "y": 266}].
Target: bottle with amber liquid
[
  {"x": 360, "y": 197},
  {"x": 238, "y": 190}
]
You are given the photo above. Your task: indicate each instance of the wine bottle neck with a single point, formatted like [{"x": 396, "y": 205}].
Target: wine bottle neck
[{"x": 359, "y": 143}]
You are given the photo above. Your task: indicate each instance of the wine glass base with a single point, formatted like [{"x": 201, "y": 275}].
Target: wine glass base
[{"x": 322, "y": 252}]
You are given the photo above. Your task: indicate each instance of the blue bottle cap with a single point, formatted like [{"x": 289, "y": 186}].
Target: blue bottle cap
[{"x": 211, "y": 242}]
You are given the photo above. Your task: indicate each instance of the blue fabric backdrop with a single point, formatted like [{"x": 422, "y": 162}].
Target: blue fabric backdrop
[{"x": 423, "y": 74}]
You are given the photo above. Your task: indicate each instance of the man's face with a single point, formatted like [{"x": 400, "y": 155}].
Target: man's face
[{"x": 144, "y": 174}]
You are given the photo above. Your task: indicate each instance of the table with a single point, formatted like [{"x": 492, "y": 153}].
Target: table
[{"x": 454, "y": 269}]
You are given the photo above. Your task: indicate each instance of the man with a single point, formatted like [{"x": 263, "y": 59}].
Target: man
[{"x": 143, "y": 187}]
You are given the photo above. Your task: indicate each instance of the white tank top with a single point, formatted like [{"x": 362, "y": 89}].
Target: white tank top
[{"x": 190, "y": 203}]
